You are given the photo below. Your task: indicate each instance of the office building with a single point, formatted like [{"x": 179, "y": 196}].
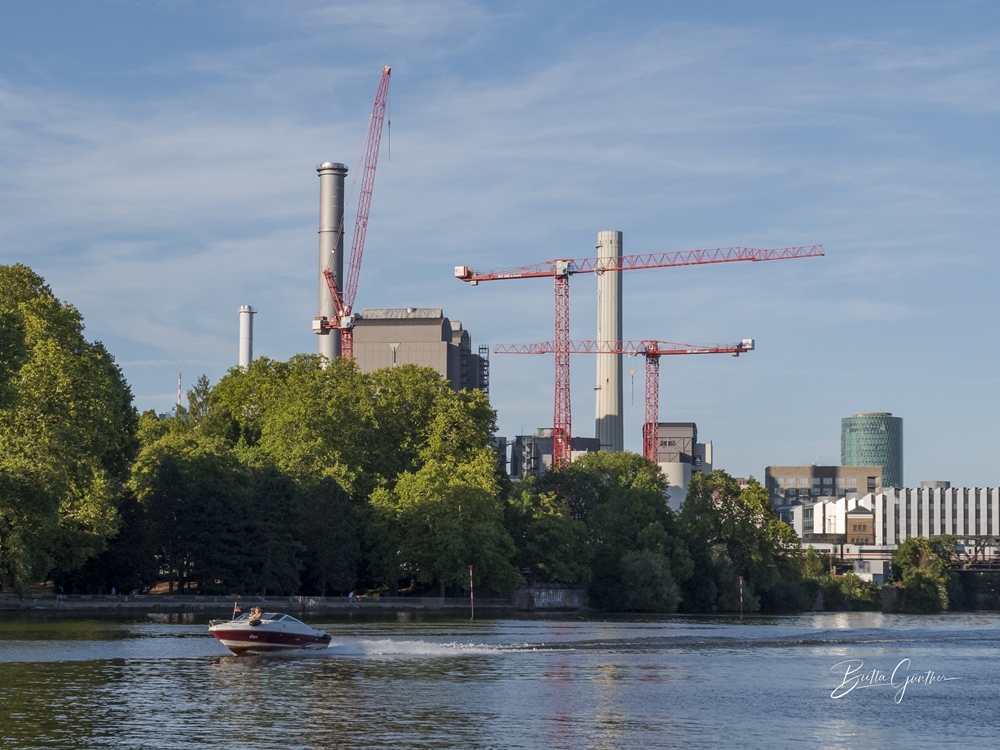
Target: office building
[
  {"x": 787, "y": 484},
  {"x": 874, "y": 439}
]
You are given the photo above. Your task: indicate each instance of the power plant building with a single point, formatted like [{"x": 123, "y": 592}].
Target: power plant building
[
  {"x": 531, "y": 455},
  {"x": 680, "y": 456},
  {"x": 388, "y": 337},
  {"x": 874, "y": 439}
]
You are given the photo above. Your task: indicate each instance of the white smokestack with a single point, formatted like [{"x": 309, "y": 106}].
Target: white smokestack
[
  {"x": 331, "y": 246},
  {"x": 610, "y": 400},
  {"x": 246, "y": 336}
]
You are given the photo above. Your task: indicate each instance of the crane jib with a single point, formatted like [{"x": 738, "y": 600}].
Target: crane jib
[{"x": 565, "y": 267}]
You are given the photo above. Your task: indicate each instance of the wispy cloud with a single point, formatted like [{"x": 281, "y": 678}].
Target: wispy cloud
[{"x": 160, "y": 211}]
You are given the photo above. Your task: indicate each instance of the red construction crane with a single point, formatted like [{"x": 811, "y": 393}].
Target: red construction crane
[
  {"x": 344, "y": 296},
  {"x": 650, "y": 349},
  {"x": 561, "y": 270}
]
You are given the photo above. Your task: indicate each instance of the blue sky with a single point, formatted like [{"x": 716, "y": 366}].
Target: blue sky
[{"x": 157, "y": 167}]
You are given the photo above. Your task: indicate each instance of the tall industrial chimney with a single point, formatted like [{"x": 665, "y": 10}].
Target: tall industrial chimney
[
  {"x": 246, "y": 336},
  {"x": 610, "y": 401},
  {"x": 331, "y": 246}
]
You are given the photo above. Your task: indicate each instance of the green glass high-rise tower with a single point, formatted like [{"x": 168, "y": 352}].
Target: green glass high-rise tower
[{"x": 874, "y": 439}]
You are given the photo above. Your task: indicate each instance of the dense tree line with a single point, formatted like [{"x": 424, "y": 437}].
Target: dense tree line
[
  {"x": 311, "y": 477},
  {"x": 67, "y": 434}
]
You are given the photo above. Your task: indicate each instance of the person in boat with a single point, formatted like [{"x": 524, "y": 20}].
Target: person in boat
[{"x": 255, "y": 613}]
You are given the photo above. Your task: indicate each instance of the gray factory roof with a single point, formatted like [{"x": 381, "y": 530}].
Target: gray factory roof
[{"x": 401, "y": 313}]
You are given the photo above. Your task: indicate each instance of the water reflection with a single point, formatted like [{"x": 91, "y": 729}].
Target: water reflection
[{"x": 532, "y": 684}]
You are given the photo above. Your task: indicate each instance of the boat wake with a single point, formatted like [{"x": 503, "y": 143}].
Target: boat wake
[{"x": 391, "y": 647}]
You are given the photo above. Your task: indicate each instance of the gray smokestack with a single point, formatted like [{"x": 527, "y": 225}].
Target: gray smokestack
[
  {"x": 331, "y": 246},
  {"x": 246, "y": 336},
  {"x": 610, "y": 402}
]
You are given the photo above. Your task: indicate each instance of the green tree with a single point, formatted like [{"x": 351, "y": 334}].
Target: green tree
[
  {"x": 273, "y": 524},
  {"x": 647, "y": 583},
  {"x": 917, "y": 553},
  {"x": 552, "y": 545},
  {"x": 814, "y": 565},
  {"x": 313, "y": 421},
  {"x": 621, "y": 500},
  {"x": 128, "y": 563},
  {"x": 360, "y": 432},
  {"x": 67, "y": 433},
  {"x": 331, "y": 534},
  {"x": 925, "y": 592},
  {"x": 196, "y": 494},
  {"x": 924, "y": 573},
  {"x": 733, "y": 533},
  {"x": 449, "y": 516},
  {"x": 243, "y": 399}
]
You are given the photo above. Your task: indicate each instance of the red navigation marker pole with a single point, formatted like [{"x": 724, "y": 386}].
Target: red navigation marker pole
[{"x": 472, "y": 597}]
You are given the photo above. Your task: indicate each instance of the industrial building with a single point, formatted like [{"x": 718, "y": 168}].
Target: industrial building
[
  {"x": 874, "y": 439},
  {"x": 680, "y": 456},
  {"x": 868, "y": 528},
  {"x": 531, "y": 455},
  {"x": 786, "y": 484},
  {"x": 387, "y": 337},
  {"x": 896, "y": 514}
]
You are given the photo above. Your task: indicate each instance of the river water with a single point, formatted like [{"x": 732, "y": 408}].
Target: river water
[{"x": 161, "y": 681}]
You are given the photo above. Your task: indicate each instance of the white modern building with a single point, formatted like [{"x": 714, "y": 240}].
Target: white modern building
[
  {"x": 898, "y": 514},
  {"x": 870, "y": 527}
]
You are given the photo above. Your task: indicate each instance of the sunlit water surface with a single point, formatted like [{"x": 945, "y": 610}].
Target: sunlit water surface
[{"x": 163, "y": 682}]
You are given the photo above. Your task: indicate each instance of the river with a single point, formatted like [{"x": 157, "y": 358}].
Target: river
[{"x": 160, "y": 681}]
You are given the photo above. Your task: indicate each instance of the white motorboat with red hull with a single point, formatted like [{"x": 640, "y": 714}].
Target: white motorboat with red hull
[{"x": 268, "y": 631}]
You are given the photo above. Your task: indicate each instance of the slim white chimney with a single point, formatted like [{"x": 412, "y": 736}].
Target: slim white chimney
[
  {"x": 246, "y": 336},
  {"x": 610, "y": 399}
]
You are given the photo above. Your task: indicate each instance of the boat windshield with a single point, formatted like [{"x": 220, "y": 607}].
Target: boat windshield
[{"x": 270, "y": 616}]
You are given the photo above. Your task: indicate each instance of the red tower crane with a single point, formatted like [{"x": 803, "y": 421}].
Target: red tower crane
[
  {"x": 561, "y": 270},
  {"x": 344, "y": 296},
  {"x": 650, "y": 349}
]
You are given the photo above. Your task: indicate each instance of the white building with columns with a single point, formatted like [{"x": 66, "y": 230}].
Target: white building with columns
[{"x": 838, "y": 524}]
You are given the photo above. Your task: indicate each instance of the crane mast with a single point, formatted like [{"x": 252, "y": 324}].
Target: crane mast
[{"x": 344, "y": 292}]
